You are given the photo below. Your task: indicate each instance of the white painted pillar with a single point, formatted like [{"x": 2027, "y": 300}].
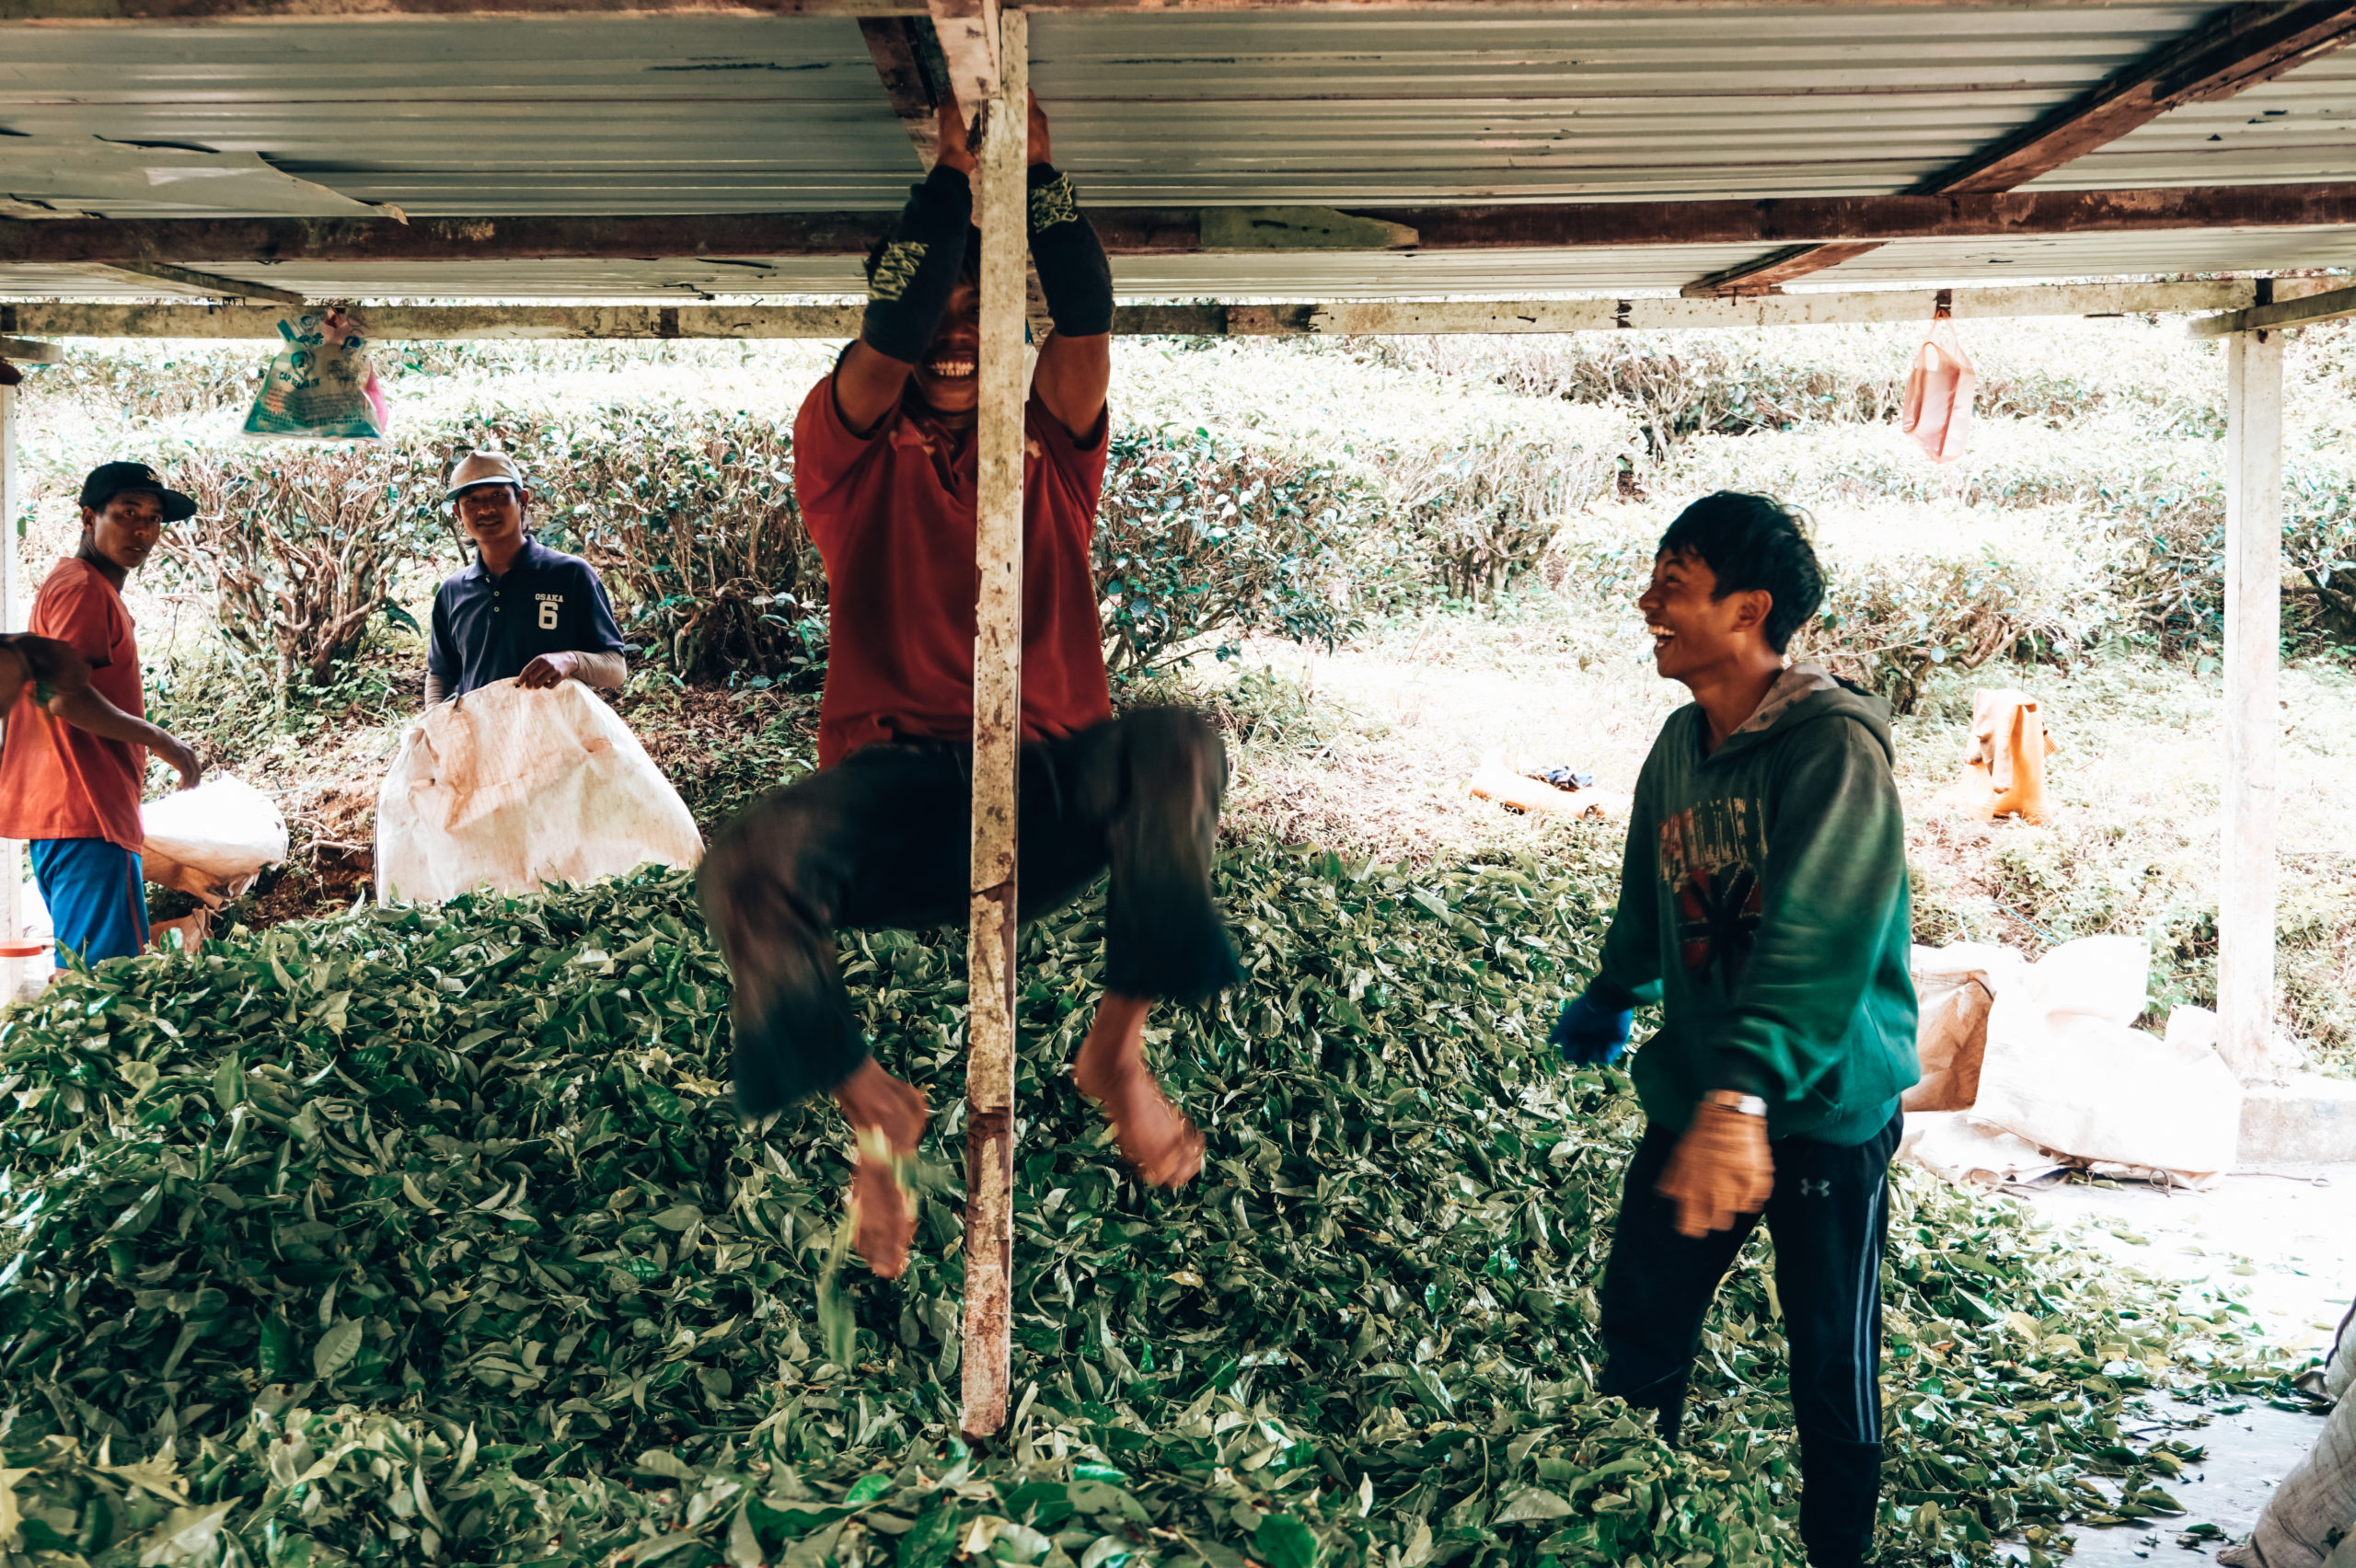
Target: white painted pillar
[
  {"x": 12, "y": 618},
  {"x": 2246, "y": 882},
  {"x": 1001, "y": 207}
]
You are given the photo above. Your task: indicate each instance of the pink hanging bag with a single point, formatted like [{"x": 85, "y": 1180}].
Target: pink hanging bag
[{"x": 1936, "y": 410}]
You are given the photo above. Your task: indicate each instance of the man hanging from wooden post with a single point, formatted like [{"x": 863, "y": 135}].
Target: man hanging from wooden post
[{"x": 885, "y": 467}]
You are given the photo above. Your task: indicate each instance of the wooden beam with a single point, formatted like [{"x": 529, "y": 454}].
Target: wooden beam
[
  {"x": 987, "y": 1356},
  {"x": 1154, "y": 231},
  {"x": 2246, "y": 45},
  {"x": 2287, "y": 313},
  {"x": 25, "y": 351},
  {"x": 898, "y": 48},
  {"x": 2246, "y": 882},
  {"x": 968, "y": 34},
  {"x": 474, "y": 323}
]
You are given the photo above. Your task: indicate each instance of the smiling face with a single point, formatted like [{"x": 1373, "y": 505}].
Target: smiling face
[
  {"x": 947, "y": 377},
  {"x": 492, "y": 516},
  {"x": 1692, "y": 630},
  {"x": 125, "y": 530}
]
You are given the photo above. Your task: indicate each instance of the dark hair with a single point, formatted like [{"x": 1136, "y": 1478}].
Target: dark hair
[
  {"x": 1753, "y": 541},
  {"x": 970, "y": 269}
]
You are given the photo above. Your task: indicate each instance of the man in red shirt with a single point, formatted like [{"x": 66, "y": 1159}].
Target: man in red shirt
[
  {"x": 71, "y": 770},
  {"x": 885, "y": 467}
]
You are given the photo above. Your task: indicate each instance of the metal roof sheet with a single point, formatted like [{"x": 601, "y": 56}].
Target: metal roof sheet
[
  {"x": 2300, "y": 126},
  {"x": 1394, "y": 107},
  {"x": 594, "y": 114},
  {"x": 2100, "y": 256}
]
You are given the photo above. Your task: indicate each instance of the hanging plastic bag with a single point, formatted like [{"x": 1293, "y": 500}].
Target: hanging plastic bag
[
  {"x": 212, "y": 841},
  {"x": 506, "y": 789},
  {"x": 1937, "y": 408},
  {"x": 321, "y": 386}
]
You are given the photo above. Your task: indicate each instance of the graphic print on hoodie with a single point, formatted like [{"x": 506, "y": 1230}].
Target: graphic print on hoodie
[
  {"x": 1709, "y": 856},
  {"x": 1763, "y": 904}
]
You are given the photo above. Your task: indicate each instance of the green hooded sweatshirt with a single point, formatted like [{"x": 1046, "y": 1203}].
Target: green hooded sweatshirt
[{"x": 1762, "y": 901}]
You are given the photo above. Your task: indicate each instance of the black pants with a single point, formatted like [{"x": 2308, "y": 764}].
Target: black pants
[
  {"x": 1829, "y": 1217},
  {"x": 885, "y": 838}
]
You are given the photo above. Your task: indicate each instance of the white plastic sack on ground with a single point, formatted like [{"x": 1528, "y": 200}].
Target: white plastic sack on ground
[
  {"x": 1955, "y": 988},
  {"x": 2065, "y": 1069},
  {"x": 2315, "y": 1504},
  {"x": 1973, "y": 1155},
  {"x": 507, "y": 789},
  {"x": 212, "y": 841}
]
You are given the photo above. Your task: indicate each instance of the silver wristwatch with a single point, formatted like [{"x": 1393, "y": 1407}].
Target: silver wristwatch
[{"x": 1736, "y": 1100}]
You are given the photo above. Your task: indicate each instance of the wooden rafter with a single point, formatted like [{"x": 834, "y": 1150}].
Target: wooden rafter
[
  {"x": 968, "y": 34},
  {"x": 136, "y": 12},
  {"x": 1143, "y": 231},
  {"x": 2247, "y": 45},
  {"x": 1338, "y": 319},
  {"x": 898, "y": 45}
]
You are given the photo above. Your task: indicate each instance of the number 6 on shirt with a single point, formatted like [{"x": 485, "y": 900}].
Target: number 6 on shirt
[{"x": 548, "y": 615}]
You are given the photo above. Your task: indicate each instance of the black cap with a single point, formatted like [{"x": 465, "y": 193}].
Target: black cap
[{"x": 109, "y": 480}]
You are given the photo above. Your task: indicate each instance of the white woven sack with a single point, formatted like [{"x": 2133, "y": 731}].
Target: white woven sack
[
  {"x": 212, "y": 839},
  {"x": 2064, "y": 1070},
  {"x": 506, "y": 789},
  {"x": 2316, "y": 1501}
]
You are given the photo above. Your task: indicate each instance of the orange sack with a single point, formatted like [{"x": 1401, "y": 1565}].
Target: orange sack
[
  {"x": 1936, "y": 410},
  {"x": 2003, "y": 762}
]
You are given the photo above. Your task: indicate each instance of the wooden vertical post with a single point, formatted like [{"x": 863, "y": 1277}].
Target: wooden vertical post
[
  {"x": 12, "y": 618},
  {"x": 2253, "y": 714},
  {"x": 1001, "y": 205}
]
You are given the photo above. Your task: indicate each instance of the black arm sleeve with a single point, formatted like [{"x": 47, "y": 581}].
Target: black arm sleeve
[
  {"x": 1073, "y": 273},
  {"x": 919, "y": 265}
]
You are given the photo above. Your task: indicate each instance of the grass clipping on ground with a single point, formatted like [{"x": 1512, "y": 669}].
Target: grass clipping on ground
[{"x": 432, "y": 1237}]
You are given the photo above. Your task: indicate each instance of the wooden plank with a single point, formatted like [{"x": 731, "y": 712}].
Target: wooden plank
[
  {"x": 898, "y": 51},
  {"x": 1137, "y": 231},
  {"x": 988, "y": 1348},
  {"x": 2246, "y": 880},
  {"x": 968, "y": 34},
  {"x": 472, "y": 323},
  {"x": 2240, "y": 48},
  {"x": 2315, "y": 307},
  {"x": 25, "y": 351}
]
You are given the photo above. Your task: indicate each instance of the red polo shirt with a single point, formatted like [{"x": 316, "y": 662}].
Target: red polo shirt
[
  {"x": 892, "y": 514},
  {"x": 57, "y": 781}
]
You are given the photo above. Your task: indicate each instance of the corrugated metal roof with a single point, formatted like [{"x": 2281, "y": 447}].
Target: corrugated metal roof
[
  {"x": 2100, "y": 256},
  {"x": 585, "y": 115},
  {"x": 1394, "y": 107},
  {"x": 615, "y": 115},
  {"x": 2301, "y": 126}
]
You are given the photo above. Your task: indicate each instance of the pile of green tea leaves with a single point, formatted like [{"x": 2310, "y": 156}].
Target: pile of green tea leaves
[{"x": 422, "y": 1235}]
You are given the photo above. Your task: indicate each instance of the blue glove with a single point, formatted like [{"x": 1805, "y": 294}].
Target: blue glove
[{"x": 1589, "y": 1037}]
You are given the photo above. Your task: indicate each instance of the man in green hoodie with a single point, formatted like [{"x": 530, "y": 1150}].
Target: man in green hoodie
[{"x": 1762, "y": 904}]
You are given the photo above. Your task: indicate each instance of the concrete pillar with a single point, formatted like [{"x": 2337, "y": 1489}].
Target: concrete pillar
[{"x": 2245, "y": 884}]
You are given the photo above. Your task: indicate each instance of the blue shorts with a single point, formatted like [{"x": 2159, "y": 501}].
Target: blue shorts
[{"x": 98, "y": 903}]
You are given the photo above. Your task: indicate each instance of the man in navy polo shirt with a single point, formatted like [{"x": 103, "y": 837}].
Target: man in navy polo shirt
[{"x": 522, "y": 610}]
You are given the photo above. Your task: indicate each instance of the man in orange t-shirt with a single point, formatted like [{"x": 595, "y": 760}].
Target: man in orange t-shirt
[
  {"x": 885, "y": 469},
  {"x": 72, "y": 762}
]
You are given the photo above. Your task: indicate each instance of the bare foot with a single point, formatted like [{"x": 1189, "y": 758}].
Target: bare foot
[
  {"x": 888, "y": 1117},
  {"x": 1155, "y": 1136}
]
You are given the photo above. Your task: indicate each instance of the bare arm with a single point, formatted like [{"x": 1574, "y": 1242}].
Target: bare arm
[
  {"x": 437, "y": 691},
  {"x": 1073, "y": 375},
  {"x": 61, "y": 677}
]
